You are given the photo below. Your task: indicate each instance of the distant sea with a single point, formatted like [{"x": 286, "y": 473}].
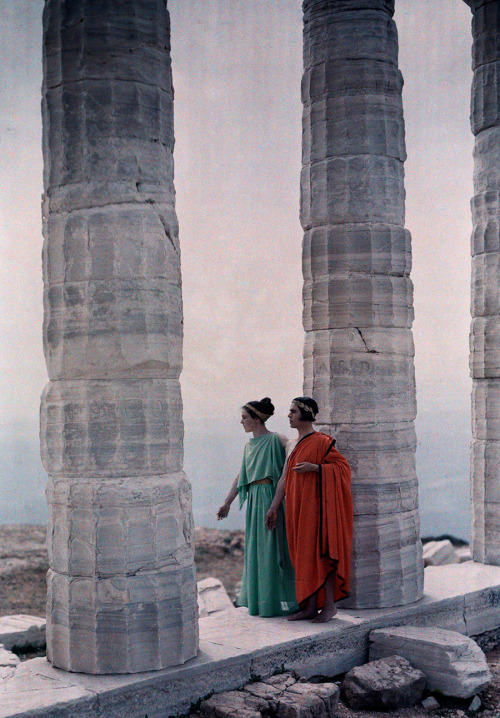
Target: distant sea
[{"x": 213, "y": 460}]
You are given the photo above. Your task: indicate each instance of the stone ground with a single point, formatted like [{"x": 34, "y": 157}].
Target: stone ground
[{"x": 23, "y": 564}]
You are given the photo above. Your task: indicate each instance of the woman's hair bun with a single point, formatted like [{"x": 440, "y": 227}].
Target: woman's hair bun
[{"x": 265, "y": 400}]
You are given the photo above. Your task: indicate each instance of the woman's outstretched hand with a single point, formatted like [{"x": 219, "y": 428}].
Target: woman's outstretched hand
[
  {"x": 223, "y": 511},
  {"x": 304, "y": 467},
  {"x": 271, "y": 519}
]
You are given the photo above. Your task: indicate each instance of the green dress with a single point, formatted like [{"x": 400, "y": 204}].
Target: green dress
[{"x": 268, "y": 583}]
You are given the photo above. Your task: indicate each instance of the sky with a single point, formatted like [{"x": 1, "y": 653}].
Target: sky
[{"x": 237, "y": 69}]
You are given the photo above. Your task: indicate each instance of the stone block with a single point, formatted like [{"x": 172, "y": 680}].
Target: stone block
[
  {"x": 485, "y": 97},
  {"x": 95, "y": 330},
  {"x": 360, "y": 387},
  {"x": 485, "y": 284},
  {"x": 118, "y": 525},
  {"x": 316, "y": 7},
  {"x": 112, "y": 243},
  {"x": 22, "y": 631},
  {"x": 212, "y": 597},
  {"x": 485, "y": 24},
  {"x": 389, "y": 570},
  {"x": 486, "y": 160},
  {"x": 486, "y": 224},
  {"x": 485, "y": 458},
  {"x": 111, "y": 429},
  {"x": 110, "y": 35},
  {"x": 357, "y": 300},
  {"x": 453, "y": 664},
  {"x": 364, "y": 35},
  {"x": 369, "y": 248},
  {"x": 485, "y": 347},
  {"x": 346, "y": 190},
  {"x": 123, "y": 624},
  {"x": 486, "y": 409},
  {"x": 387, "y": 684},
  {"x": 439, "y": 553}
]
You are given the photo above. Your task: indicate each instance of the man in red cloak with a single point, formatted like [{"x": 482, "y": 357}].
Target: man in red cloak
[{"x": 316, "y": 480}]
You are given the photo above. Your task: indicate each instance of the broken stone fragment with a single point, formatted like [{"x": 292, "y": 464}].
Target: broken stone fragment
[
  {"x": 453, "y": 664},
  {"x": 212, "y": 597},
  {"x": 309, "y": 699},
  {"x": 233, "y": 704},
  {"x": 439, "y": 553},
  {"x": 280, "y": 696},
  {"x": 386, "y": 684},
  {"x": 430, "y": 704}
]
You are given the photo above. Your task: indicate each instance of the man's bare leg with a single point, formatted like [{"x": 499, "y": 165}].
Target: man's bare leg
[
  {"x": 310, "y": 610},
  {"x": 329, "y": 609}
]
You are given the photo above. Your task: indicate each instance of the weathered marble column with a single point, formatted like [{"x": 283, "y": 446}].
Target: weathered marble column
[
  {"x": 485, "y": 296},
  {"x": 358, "y": 301},
  {"x": 121, "y": 584}
]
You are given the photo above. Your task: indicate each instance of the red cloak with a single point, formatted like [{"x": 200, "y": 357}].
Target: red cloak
[{"x": 319, "y": 517}]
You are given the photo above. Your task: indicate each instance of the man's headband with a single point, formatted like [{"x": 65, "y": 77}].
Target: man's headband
[{"x": 306, "y": 408}]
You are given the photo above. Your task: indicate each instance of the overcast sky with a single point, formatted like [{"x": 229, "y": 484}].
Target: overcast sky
[{"x": 237, "y": 69}]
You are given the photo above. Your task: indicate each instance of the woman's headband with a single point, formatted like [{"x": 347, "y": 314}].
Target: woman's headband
[{"x": 260, "y": 414}]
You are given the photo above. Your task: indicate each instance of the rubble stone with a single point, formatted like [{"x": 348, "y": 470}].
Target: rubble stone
[
  {"x": 430, "y": 704},
  {"x": 233, "y": 704},
  {"x": 385, "y": 684}
]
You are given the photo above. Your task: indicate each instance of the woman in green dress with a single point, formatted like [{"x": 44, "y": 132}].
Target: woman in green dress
[{"x": 268, "y": 585}]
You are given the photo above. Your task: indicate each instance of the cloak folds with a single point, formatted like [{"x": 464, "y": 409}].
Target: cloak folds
[{"x": 319, "y": 518}]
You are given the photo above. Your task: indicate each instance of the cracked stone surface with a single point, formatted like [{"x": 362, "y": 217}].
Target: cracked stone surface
[
  {"x": 121, "y": 584},
  {"x": 280, "y": 696},
  {"x": 485, "y": 305},
  {"x": 388, "y": 683},
  {"x": 358, "y": 295},
  {"x": 453, "y": 664}
]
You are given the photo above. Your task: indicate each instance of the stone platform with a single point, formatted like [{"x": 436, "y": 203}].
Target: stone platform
[{"x": 235, "y": 648}]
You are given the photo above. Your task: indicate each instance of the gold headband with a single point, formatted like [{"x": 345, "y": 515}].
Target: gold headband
[
  {"x": 260, "y": 414},
  {"x": 309, "y": 409}
]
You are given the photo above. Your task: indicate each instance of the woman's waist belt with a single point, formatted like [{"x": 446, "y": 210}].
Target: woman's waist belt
[{"x": 261, "y": 481}]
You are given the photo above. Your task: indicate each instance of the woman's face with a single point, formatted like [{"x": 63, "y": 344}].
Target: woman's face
[
  {"x": 294, "y": 416},
  {"x": 247, "y": 422}
]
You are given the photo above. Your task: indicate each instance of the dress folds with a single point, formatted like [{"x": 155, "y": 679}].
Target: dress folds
[
  {"x": 319, "y": 517},
  {"x": 267, "y": 587}
]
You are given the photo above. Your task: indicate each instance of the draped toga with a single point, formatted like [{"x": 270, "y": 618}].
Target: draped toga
[{"x": 319, "y": 517}]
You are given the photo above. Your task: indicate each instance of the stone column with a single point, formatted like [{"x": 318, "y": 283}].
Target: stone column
[
  {"x": 485, "y": 296},
  {"x": 358, "y": 297},
  {"x": 121, "y": 584}
]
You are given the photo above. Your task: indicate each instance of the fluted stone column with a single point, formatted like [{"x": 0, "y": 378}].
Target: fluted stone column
[
  {"x": 485, "y": 297},
  {"x": 358, "y": 297},
  {"x": 121, "y": 584}
]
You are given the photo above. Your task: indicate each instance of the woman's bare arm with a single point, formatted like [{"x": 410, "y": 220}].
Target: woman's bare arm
[{"x": 233, "y": 493}]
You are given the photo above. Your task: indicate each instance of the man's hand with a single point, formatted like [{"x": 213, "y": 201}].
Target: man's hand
[
  {"x": 304, "y": 467},
  {"x": 271, "y": 519}
]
